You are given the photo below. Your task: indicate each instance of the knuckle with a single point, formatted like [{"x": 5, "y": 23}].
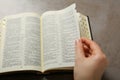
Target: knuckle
[{"x": 101, "y": 57}]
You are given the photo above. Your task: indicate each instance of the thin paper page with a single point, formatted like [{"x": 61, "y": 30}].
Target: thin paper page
[
  {"x": 21, "y": 49},
  {"x": 12, "y": 42},
  {"x": 69, "y": 33},
  {"x": 32, "y": 41},
  {"x": 60, "y": 29},
  {"x": 51, "y": 40}
]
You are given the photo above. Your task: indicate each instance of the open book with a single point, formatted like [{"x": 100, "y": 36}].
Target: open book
[{"x": 29, "y": 41}]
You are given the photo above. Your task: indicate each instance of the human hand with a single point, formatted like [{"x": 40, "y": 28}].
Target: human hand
[{"x": 90, "y": 61}]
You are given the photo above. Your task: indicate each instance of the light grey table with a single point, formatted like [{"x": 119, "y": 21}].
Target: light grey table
[{"x": 104, "y": 18}]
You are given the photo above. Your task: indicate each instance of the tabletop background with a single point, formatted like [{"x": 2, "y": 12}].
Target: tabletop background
[{"x": 104, "y": 19}]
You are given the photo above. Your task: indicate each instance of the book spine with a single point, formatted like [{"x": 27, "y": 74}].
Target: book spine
[{"x": 90, "y": 28}]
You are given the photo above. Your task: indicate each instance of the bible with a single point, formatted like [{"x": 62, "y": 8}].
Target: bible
[{"x": 33, "y": 42}]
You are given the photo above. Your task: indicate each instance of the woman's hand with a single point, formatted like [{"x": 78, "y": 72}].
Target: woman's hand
[{"x": 90, "y": 61}]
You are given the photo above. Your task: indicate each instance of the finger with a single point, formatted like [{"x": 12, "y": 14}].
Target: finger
[
  {"x": 91, "y": 45},
  {"x": 79, "y": 49},
  {"x": 86, "y": 48},
  {"x": 86, "y": 51}
]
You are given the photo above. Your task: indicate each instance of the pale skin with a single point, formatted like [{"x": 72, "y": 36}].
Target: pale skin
[{"x": 90, "y": 61}]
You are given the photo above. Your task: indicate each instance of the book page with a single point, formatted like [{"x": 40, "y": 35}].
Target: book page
[
  {"x": 84, "y": 26},
  {"x": 21, "y": 50},
  {"x": 60, "y": 30},
  {"x": 32, "y": 49}
]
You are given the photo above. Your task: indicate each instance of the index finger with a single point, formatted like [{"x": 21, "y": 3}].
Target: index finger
[{"x": 91, "y": 44}]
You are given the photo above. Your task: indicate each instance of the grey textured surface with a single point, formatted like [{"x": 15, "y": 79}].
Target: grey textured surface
[{"x": 104, "y": 18}]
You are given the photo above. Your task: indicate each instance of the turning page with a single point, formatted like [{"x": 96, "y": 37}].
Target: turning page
[{"x": 60, "y": 29}]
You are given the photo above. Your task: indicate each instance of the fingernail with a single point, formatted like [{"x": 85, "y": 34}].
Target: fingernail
[
  {"x": 80, "y": 40},
  {"x": 76, "y": 42}
]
